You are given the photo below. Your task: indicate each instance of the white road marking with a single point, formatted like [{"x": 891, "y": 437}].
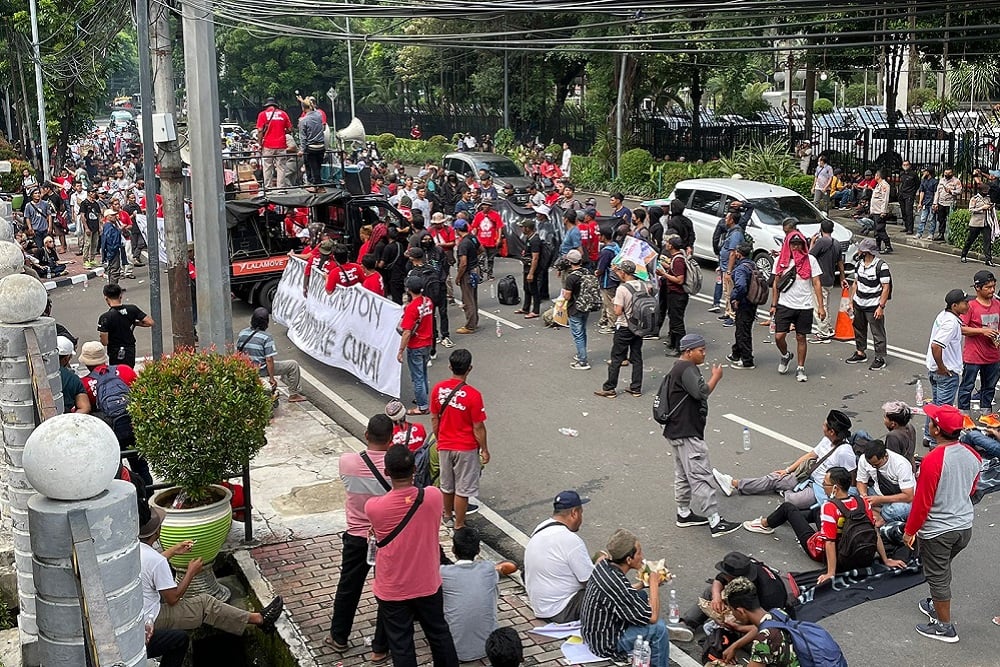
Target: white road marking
[
  {"x": 768, "y": 432},
  {"x": 499, "y": 319},
  {"x": 893, "y": 351},
  {"x": 677, "y": 656}
]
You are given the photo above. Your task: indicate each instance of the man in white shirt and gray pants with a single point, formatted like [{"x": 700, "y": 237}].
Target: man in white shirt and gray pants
[{"x": 821, "y": 184}]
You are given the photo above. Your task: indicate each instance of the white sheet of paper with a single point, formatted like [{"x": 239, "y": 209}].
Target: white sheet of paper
[
  {"x": 558, "y": 630},
  {"x": 578, "y": 654}
]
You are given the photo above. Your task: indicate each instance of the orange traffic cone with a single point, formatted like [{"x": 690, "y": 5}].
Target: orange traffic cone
[{"x": 844, "y": 330}]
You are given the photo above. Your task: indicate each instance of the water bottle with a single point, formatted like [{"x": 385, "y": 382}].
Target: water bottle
[
  {"x": 571, "y": 432},
  {"x": 499, "y": 330},
  {"x": 637, "y": 652},
  {"x": 920, "y": 393},
  {"x": 372, "y": 549},
  {"x": 647, "y": 654},
  {"x": 493, "y": 290},
  {"x": 86, "y": 281},
  {"x": 746, "y": 439},
  {"x": 674, "y": 616},
  {"x": 770, "y": 327}
]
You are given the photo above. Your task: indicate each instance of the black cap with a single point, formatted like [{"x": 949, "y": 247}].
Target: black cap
[
  {"x": 567, "y": 500},
  {"x": 736, "y": 564},
  {"x": 956, "y": 296},
  {"x": 838, "y": 421},
  {"x": 415, "y": 284},
  {"x": 983, "y": 277}
]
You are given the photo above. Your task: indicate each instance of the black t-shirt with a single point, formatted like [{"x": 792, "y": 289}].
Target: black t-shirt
[
  {"x": 531, "y": 246},
  {"x": 118, "y": 323},
  {"x": 828, "y": 255},
  {"x": 571, "y": 283},
  {"x": 770, "y": 589},
  {"x": 468, "y": 247},
  {"x": 91, "y": 212}
]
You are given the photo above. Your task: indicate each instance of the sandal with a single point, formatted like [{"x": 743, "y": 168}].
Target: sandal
[
  {"x": 520, "y": 312},
  {"x": 337, "y": 646},
  {"x": 530, "y": 316},
  {"x": 381, "y": 660},
  {"x": 417, "y": 411}
]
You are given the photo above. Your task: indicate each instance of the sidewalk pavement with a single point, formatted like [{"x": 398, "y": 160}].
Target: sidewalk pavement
[
  {"x": 898, "y": 237},
  {"x": 299, "y": 515},
  {"x": 76, "y": 272}
]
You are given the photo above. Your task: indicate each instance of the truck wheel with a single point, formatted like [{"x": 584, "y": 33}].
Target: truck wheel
[{"x": 265, "y": 294}]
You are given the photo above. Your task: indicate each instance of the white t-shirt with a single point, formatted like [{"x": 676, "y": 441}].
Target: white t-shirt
[
  {"x": 897, "y": 469},
  {"x": 155, "y": 576},
  {"x": 844, "y": 457},
  {"x": 800, "y": 295},
  {"x": 567, "y": 156},
  {"x": 556, "y": 566},
  {"x": 947, "y": 334}
]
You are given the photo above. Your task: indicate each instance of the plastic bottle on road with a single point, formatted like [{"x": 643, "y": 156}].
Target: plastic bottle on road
[
  {"x": 920, "y": 393},
  {"x": 746, "y": 439},
  {"x": 637, "y": 652},
  {"x": 493, "y": 289},
  {"x": 674, "y": 616},
  {"x": 499, "y": 330},
  {"x": 571, "y": 432}
]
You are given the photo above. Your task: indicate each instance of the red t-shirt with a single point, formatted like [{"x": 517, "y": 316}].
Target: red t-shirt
[
  {"x": 486, "y": 227},
  {"x": 410, "y": 566},
  {"x": 278, "y": 123},
  {"x": 343, "y": 275},
  {"x": 126, "y": 373},
  {"x": 417, "y": 435},
  {"x": 830, "y": 524},
  {"x": 678, "y": 269},
  {"x": 979, "y": 349},
  {"x": 465, "y": 410},
  {"x": 418, "y": 317},
  {"x": 374, "y": 283},
  {"x": 442, "y": 235},
  {"x": 590, "y": 239}
]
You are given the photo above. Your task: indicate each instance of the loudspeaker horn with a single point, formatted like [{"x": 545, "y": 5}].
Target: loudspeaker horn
[{"x": 354, "y": 131}]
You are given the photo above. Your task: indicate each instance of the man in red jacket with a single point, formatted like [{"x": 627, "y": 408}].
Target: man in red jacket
[
  {"x": 272, "y": 126},
  {"x": 487, "y": 226},
  {"x": 941, "y": 515}
]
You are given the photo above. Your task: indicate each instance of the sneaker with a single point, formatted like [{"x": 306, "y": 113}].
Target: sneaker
[
  {"x": 464, "y": 330},
  {"x": 471, "y": 509},
  {"x": 680, "y": 633},
  {"x": 450, "y": 521},
  {"x": 732, "y": 358},
  {"x": 651, "y": 337},
  {"x": 729, "y": 322},
  {"x": 878, "y": 364},
  {"x": 724, "y": 528},
  {"x": 783, "y": 363},
  {"x": 820, "y": 340},
  {"x": 943, "y": 632},
  {"x": 605, "y": 331},
  {"x": 757, "y": 526},
  {"x": 856, "y": 358},
  {"x": 724, "y": 316},
  {"x": 740, "y": 365},
  {"x": 691, "y": 519},
  {"x": 606, "y": 393},
  {"x": 927, "y": 607},
  {"x": 715, "y": 309},
  {"x": 446, "y": 342},
  {"x": 672, "y": 352},
  {"x": 800, "y": 375},
  {"x": 580, "y": 366},
  {"x": 724, "y": 481},
  {"x": 433, "y": 355}
]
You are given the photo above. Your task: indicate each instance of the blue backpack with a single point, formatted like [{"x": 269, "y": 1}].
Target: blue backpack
[
  {"x": 112, "y": 394},
  {"x": 814, "y": 646}
]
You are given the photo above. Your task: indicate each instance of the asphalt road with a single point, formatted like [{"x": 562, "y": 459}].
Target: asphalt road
[{"x": 620, "y": 461}]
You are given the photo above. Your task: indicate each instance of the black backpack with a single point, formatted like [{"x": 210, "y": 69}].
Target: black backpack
[
  {"x": 857, "y": 543},
  {"x": 507, "y": 292},
  {"x": 434, "y": 287},
  {"x": 643, "y": 315}
]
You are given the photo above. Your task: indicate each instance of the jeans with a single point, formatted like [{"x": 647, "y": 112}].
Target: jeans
[
  {"x": 657, "y": 636},
  {"x": 843, "y": 198},
  {"x": 578, "y": 328},
  {"x": 486, "y": 261},
  {"x": 943, "y": 392},
  {"x": 988, "y": 375},
  {"x": 927, "y": 221},
  {"x": 896, "y": 511},
  {"x": 416, "y": 360},
  {"x": 354, "y": 570},
  {"x": 398, "y": 617},
  {"x": 677, "y": 303},
  {"x": 981, "y": 442},
  {"x": 625, "y": 344},
  {"x": 717, "y": 295}
]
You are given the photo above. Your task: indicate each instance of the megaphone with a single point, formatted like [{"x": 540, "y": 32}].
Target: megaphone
[{"x": 354, "y": 132}]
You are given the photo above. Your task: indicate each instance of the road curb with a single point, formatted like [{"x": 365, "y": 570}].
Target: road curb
[{"x": 73, "y": 280}]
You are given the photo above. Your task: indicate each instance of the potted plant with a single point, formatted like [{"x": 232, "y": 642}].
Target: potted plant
[{"x": 198, "y": 416}]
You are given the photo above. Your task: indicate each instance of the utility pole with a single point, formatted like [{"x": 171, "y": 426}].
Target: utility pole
[
  {"x": 43, "y": 132},
  {"x": 7, "y": 112},
  {"x": 215, "y": 316},
  {"x": 175, "y": 236},
  {"x": 149, "y": 173},
  {"x": 619, "y": 110},
  {"x": 350, "y": 64}
]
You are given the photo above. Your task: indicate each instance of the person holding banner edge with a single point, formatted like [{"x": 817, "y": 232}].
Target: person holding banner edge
[{"x": 417, "y": 339}]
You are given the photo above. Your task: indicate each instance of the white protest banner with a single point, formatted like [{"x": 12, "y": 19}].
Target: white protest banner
[
  {"x": 353, "y": 329},
  {"x": 639, "y": 252}
]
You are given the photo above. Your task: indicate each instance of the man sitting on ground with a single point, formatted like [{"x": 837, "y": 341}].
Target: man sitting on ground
[
  {"x": 615, "y": 612},
  {"x": 828, "y": 453},
  {"x": 556, "y": 562},
  {"x": 822, "y": 545},
  {"x": 772, "y": 593},
  {"x": 256, "y": 343},
  {"x": 470, "y": 595},
  {"x": 892, "y": 481}
]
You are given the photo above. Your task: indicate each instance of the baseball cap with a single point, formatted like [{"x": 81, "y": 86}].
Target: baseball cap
[
  {"x": 567, "y": 500},
  {"x": 947, "y": 417},
  {"x": 956, "y": 296},
  {"x": 868, "y": 246},
  {"x": 574, "y": 256},
  {"x": 415, "y": 283},
  {"x": 627, "y": 266},
  {"x": 64, "y": 346},
  {"x": 460, "y": 224},
  {"x": 415, "y": 253},
  {"x": 983, "y": 277},
  {"x": 621, "y": 544}
]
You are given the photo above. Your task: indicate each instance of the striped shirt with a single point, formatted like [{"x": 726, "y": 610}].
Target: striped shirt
[
  {"x": 258, "y": 345},
  {"x": 360, "y": 484},
  {"x": 610, "y": 605},
  {"x": 871, "y": 277}
]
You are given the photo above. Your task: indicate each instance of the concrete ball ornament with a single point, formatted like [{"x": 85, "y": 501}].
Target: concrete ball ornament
[
  {"x": 71, "y": 457},
  {"x": 22, "y": 299},
  {"x": 11, "y": 258}
]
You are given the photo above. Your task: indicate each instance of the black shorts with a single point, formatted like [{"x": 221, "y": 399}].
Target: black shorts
[{"x": 785, "y": 318}]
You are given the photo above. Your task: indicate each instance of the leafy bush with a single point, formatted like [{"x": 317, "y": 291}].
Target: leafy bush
[
  {"x": 556, "y": 151},
  {"x": 198, "y": 416},
  {"x": 940, "y": 105},
  {"x": 416, "y": 151},
  {"x": 918, "y": 97},
  {"x": 768, "y": 162},
  {"x": 588, "y": 172},
  {"x": 455, "y": 138},
  {"x": 635, "y": 165},
  {"x": 801, "y": 183},
  {"x": 12, "y": 181},
  {"x": 438, "y": 140},
  {"x": 7, "y": 151},
  {"x": 958, "y": 232},
  {"x": 385, "y": 141},
  {"x": 822, "y": 106},
  {"x": 503, "y": 140}
]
